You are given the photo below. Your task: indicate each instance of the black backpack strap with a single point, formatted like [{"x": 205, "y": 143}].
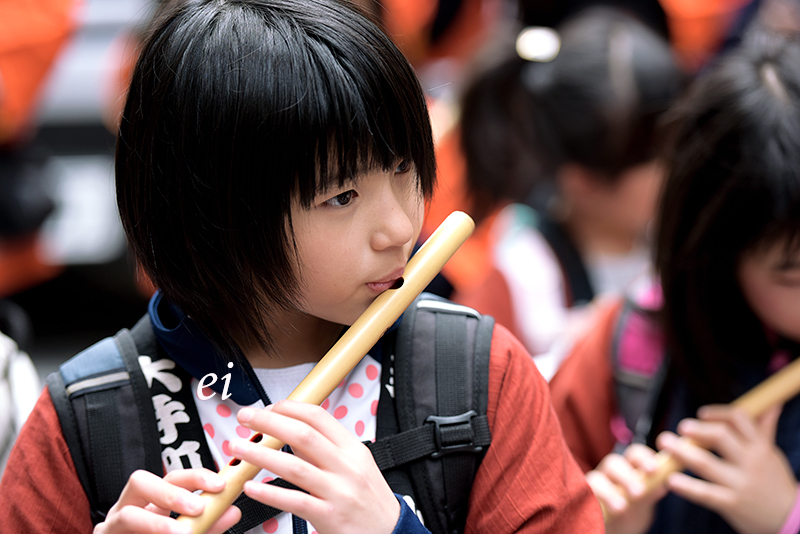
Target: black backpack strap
[
  {"x": 638, "y": 376},
  {"x": 577, "y": 277},
  {"x": 103, "y": 404},
  {"x": 441, "y": 376}
]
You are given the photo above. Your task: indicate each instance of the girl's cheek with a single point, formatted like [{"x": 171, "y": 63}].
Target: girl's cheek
[{"x": 781, "y": 313}]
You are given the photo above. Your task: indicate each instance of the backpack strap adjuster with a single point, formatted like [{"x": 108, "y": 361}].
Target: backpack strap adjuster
[{"x": 454, "y": 433}]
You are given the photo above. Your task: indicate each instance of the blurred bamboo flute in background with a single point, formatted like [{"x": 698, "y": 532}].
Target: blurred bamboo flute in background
[
  {"x": 774, "y": 391},
  {"x": 347, "y": 352}
]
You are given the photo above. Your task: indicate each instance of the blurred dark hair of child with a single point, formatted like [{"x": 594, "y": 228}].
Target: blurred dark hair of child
[{"x": 561, "y": 171}]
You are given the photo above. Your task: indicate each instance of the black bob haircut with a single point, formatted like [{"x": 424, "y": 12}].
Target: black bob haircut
[
  {"x": 733, "y": 189},
  {"x": 235, "y": 109}
]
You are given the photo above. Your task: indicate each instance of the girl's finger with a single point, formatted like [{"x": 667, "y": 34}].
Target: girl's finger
[
  {"x": 231, "y": 516},
  {"x": 145, "y": 488},
  {"x": 731, "y": 415},
  {"x": 288, "y": 500},
  {"x": 196, "y": 479},
  {"x": 296, "y": 470},
  {"x": 767, "y": 423},
  {"x": 713, "y": 496},
  {"x": 641, "y": 457},
  {"x": 621, "y": 473},
  {"x": 700, "y": 461},
  {"x": 209, "y": 481},
  {"x": 607, "y": 492},
  {"x": 141, "y": 521},
  {"x": 306, "y": 441},
  {"x": 717, "y": 436},
  {"x": 317, "y": 418}
]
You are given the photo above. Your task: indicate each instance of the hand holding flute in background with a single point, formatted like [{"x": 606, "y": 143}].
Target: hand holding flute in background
[
  {"x": 748, "y": 482},
  {"x": 727, "y": 316}
]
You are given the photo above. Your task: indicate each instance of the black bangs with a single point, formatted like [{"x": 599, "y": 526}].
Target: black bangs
[
  {"x": 307, "y": 95},
  {"x": 333, "y": 98},
  {"x": 357, "y": 114}
]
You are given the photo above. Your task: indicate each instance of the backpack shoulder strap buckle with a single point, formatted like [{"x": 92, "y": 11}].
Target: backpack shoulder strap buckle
[{"x": 453, "y": 433}]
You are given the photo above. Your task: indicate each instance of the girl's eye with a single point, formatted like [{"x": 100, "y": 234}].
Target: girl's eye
[
  {"x": 403, "y": 167},
  {"x": 788, "y": 278},
  {"x": 342, "y": 199}
]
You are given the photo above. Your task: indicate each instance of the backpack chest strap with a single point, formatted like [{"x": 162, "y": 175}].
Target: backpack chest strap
[{"x": 468, "y": 432}]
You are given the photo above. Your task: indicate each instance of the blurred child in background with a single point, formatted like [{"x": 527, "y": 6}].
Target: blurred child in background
[
  {"x": 561, "y": 171},
  {"x": 727, "y": 258}
]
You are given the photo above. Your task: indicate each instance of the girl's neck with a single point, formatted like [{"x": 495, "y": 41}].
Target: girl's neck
[{"x": 300, "y": 338}]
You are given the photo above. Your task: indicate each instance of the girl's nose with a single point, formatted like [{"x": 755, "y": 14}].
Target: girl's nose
[{"x": 394, "y": 222}]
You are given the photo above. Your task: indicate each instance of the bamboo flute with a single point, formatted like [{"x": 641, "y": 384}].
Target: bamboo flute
[
  {"x": 774, "y": 391},
  {"x": 347, "y": 352}
]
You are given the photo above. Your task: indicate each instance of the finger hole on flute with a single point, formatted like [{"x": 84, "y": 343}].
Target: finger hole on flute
[
  {"x": 398, "y": 283},
  {"x": 257, "y": 437},
  {"x": 234, "y": 462}
]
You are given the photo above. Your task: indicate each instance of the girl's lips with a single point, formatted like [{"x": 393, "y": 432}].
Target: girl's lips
[
  {"x": 394, "y": 280},
  {"x": 380, "y": 287}
]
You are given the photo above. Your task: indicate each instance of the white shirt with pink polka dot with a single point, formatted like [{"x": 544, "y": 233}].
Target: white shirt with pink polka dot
[{"x": 354, "y": 403}]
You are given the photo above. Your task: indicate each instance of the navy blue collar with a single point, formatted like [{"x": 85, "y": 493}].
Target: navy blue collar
[
  {"x": 185, "y": 343},
  {"x": 190, "y": 348}
]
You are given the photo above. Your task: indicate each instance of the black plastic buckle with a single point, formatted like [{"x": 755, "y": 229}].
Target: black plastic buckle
[{"x": 439, "y": 422}]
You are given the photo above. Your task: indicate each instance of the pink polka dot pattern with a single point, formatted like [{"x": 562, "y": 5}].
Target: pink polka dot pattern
[
  {"x": 209, "y": 428},
  {"x": 372, "y": 372},
  {"x": 355, "y": 403},
  {"x": 207, "y": 392},
  {"x": 271, "y": 526},
  {"x": 226, "y": 448},
  {"x": 356, "y": 390},
  {"x": 224, "y": 410},
  {"x": 243, "y": 432}
]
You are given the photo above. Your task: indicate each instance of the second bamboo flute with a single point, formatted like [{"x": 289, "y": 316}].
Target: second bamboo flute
[
  {"x": 774, "y": 391},
  {"x": 347, "y": 352}
]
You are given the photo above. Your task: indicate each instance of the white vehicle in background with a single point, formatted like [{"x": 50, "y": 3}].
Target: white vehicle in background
[{"x": 97, "y": 293}]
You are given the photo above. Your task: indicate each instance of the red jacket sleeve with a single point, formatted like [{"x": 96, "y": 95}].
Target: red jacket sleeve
[
  {"x": 528, "y": 481},
  {"x": 583, "y": 392},
  {"x": 40, "y": 489}
]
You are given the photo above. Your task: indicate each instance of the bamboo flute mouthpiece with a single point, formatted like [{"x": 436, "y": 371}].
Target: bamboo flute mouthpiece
[
  {"x": 347, "y": 352},
  {"x": 774, "y": 391}
]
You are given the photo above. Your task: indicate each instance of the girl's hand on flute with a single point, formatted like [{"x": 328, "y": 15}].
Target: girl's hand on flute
[
  {"x": 617, "y": 483},
  {"x": 748, "y": 481},
  {"x": 347, "y": 492},
  {"x": 146, "y": 501}
]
